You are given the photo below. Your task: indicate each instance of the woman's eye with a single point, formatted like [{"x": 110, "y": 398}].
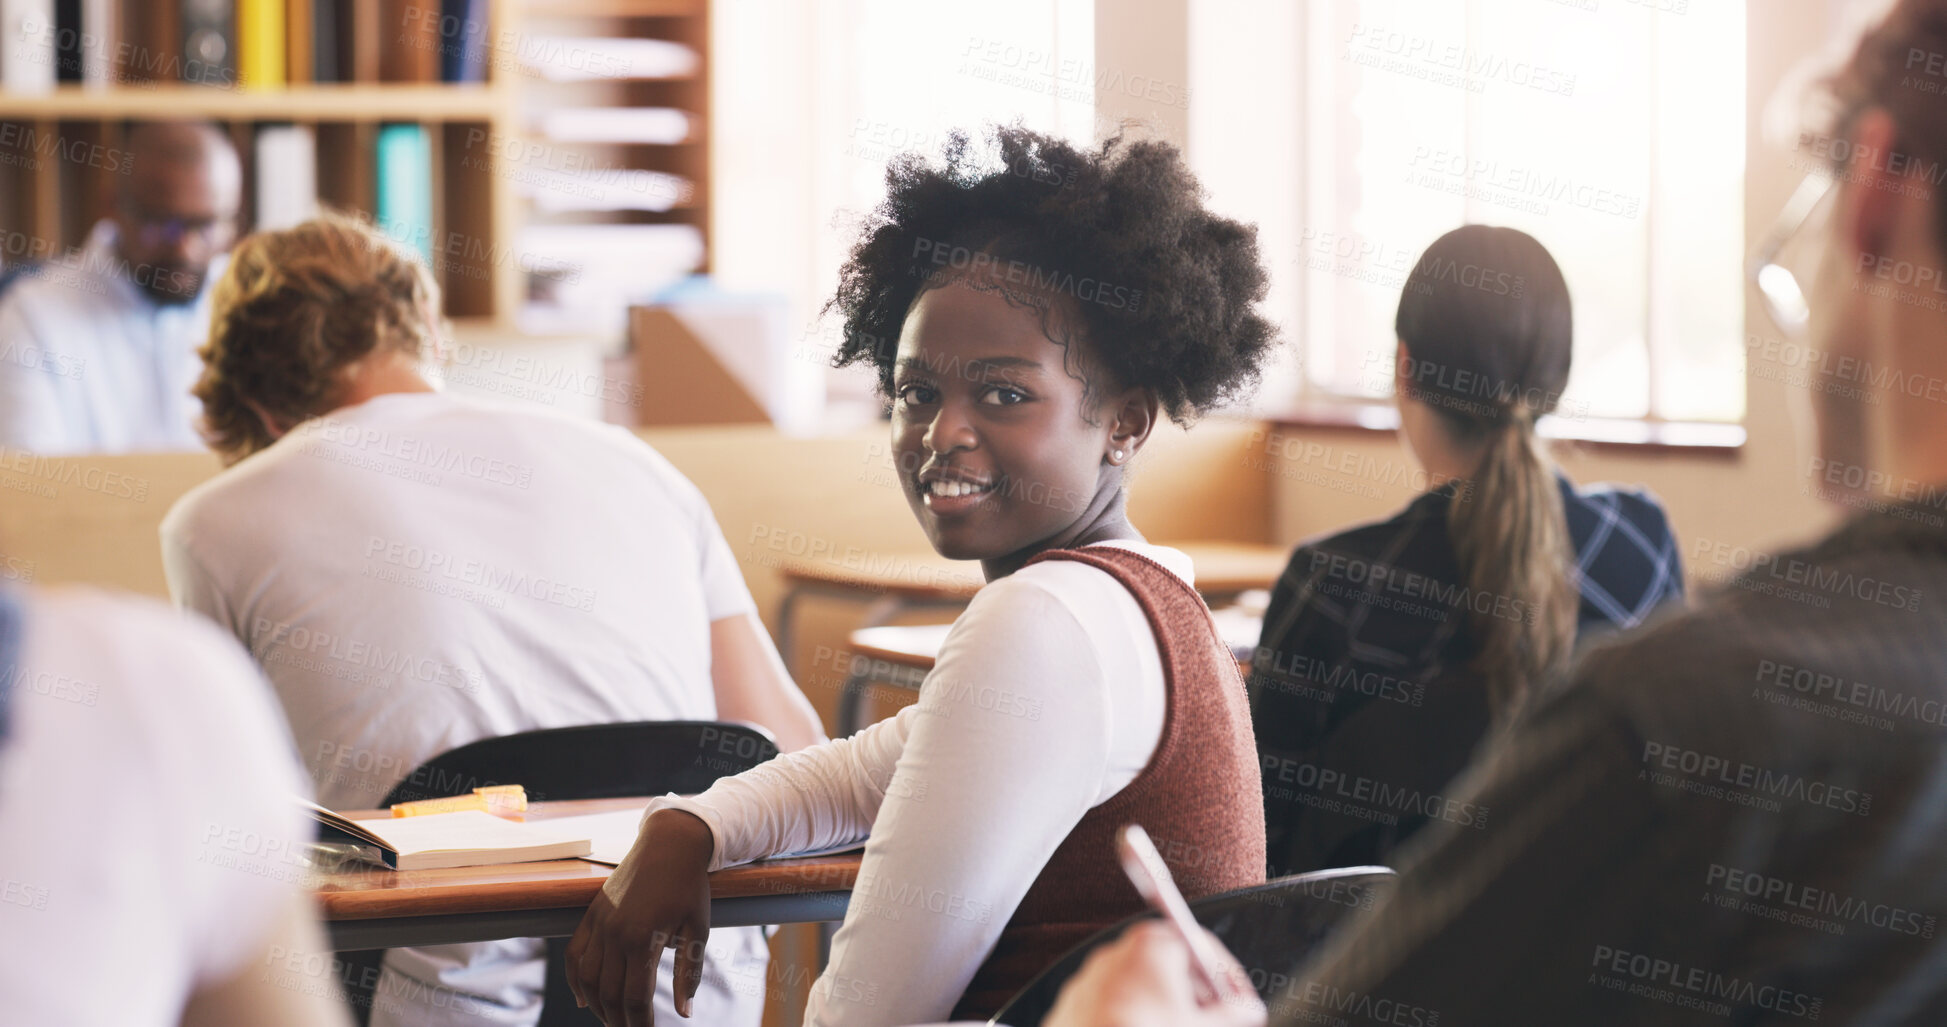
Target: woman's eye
[
  {"x": 917, "y": 395},
  {"x": 1001, "y": 395}
]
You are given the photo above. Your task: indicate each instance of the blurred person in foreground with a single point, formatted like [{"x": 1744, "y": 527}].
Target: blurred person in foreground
[
  {"x": 1736, "y": 814},
  {"x": 149, "y": 829}
]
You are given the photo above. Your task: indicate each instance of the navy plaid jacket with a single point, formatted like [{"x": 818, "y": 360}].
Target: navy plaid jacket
[{"x": 1361, "y": 698}]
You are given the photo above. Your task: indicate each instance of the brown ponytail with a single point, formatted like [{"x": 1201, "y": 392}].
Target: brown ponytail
[
  {"x": 1485, "y": 322},
  {"x": 1511, "y": 536}
]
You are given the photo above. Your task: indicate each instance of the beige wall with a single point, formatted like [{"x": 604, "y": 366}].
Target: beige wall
[
  {"x": 94, "y": 520},
  {"x": 91, "y": 520}
]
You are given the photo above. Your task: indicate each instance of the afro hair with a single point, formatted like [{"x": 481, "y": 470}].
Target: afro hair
[{"x": 1167, "y": 291}]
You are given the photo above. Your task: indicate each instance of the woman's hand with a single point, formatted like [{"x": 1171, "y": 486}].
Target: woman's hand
[
  {"x": 658, "y": 898},
  {"x": 1143, "y": 980}
]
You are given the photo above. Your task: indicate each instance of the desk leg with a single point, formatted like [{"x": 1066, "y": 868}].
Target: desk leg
[
  {"x": 882, "y": 610},
  {"x": 786, "y": 608},
  {"x": 851, "y": 699}
]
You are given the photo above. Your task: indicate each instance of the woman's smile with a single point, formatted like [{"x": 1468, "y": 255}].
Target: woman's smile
[{"x": 951, "y": 492}]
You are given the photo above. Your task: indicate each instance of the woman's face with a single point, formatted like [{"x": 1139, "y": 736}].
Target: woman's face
[{"x": 990, "y": 427}]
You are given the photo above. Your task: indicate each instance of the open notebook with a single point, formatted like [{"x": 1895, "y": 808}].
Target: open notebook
[{"x": 463, "y": 839}]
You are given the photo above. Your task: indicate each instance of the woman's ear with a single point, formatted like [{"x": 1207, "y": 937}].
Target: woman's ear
[{"x": 1135, "y": 417}]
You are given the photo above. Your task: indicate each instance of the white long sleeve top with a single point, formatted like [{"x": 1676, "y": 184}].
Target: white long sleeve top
[{"x": 1047, "y": 699}]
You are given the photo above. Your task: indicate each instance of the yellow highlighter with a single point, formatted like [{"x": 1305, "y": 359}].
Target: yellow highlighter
[{"x": 491, "y": 799}]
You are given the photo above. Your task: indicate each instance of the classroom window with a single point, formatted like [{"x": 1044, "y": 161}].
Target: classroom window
[
  {"x": 1358, "y": 131},
  {"x": 820, "y": 96}
]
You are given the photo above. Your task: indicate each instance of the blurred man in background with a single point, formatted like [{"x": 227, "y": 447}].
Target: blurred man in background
[{"x": 98, "y": 349}]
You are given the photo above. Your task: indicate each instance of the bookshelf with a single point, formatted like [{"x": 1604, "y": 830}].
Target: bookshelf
[
  {"x": 488, "y": 141},
  {"x": 674, "y": 153}
]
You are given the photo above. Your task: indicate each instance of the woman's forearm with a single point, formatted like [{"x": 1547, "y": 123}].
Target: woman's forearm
[{"x": 810, "y": 799}]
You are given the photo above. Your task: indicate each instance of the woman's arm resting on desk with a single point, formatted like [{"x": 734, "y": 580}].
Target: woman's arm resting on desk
[
  {"x": 752, "y": 684},
  {"x": 659, "y": 897},
  {"x": 809, "y": 799}
]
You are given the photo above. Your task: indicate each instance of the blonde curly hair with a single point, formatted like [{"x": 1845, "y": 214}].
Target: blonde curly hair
[{"x": 291, "y": 312}]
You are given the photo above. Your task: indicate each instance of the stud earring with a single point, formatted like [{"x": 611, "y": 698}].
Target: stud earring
[{"x": 1116, "y": 457}]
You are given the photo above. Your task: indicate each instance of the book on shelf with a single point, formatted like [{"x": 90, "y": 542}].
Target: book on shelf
[
  {"x": 209, "y": 42},
  {"x": 260, "y": 37},
  {"x": 359, "y": 40},
  {"x": 409, "y": 41},
  {"x": 287, "y": 175},
  {"x": 101, "y": 41},
  {"x": 405, "y": 187},
  {"x": 154, "y": 34},
  {"x": 327, "y": 36},
  {"x": 62, "y": 41},
  {"x": 27, "y": 49},
  {"x": 67, "y": 40},
  {"x": 261, "y": 44},
  {"x": 299, "y": 50},
  {"x": 463, "y": 41}
]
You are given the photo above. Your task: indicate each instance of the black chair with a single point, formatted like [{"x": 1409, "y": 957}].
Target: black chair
[
  {"x": 1269, "y": 928},
  {"x": 1419, "y": 748},
  {"x": 594, "y": 761}
]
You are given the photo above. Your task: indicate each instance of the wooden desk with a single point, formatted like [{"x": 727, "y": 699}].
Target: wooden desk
[
  {"x": 901, "y": 655},
  {"x": 370, "y": 907},
  {"x": 897, "y": 582},
  {"x": 1227, "y": 568}
]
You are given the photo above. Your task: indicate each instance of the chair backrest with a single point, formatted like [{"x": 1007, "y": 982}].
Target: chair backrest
[
  {"x": 1417, "y": 749},
  {"x": 1269, "y": 928},
  {"x": 595, "y": 761}
]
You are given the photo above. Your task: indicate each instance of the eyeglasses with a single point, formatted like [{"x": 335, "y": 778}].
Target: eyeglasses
[
  {"x": 1785, "y": 264},
  {"x": 155, "y": 232}
]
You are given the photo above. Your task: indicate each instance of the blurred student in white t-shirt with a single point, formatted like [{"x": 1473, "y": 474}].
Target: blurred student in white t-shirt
[
  {"x": 416, "y": 571},
  {"x": 150, "y": 872}
]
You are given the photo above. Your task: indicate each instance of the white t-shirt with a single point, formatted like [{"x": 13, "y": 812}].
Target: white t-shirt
[
  {"x": 90, "y": 364},
  {"x": 1047, "y": 699},
  {"x": 147, "y": 815},
  {"x": 421, "y": 571}
]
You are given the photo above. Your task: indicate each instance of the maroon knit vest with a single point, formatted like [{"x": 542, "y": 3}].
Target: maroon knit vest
[{"x": 1200, "y": 798}]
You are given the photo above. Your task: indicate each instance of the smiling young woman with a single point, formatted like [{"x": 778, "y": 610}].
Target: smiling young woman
[{"x": 1030, "y": 319}]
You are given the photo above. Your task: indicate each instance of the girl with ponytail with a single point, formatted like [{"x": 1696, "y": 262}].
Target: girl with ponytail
[{"x": 1389, "y": 650}]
